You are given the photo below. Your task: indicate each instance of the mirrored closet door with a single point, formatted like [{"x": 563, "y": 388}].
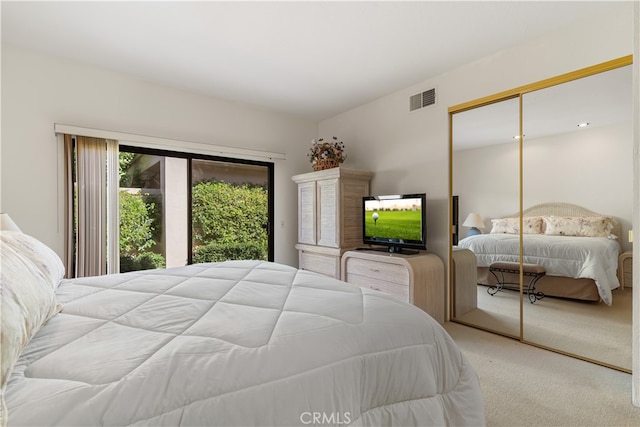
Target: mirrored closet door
[
  {"x": 543, "y": 175},
  {"x": 485, "y": 177},
  {"x": 577, "y": 150}
]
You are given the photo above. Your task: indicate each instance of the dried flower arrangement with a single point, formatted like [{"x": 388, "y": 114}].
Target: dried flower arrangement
[{"x": 326, "y": 154}]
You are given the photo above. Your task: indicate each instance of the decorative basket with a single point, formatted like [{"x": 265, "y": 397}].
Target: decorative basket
[{"x": 322, "y": 164}]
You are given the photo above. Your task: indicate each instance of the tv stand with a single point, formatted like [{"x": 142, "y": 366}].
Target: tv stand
[
  {"x": 397, "y": 250},
  {"x": 416, "y": 279},
  {"x": 391, "y": 250}
]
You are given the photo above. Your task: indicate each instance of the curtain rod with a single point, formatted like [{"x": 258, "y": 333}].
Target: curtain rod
[{"x": 167, "y": 143}]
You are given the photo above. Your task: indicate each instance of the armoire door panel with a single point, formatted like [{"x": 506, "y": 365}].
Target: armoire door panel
[{"x": 307, "y": 213}]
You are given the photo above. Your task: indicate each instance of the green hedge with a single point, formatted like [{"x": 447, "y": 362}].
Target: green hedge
[
  {"x": 216, "y": 252},
  {"x": 228, "y": 213},
  {"x": 136, "y": 225},
  {"x": 144, "y": 261}
]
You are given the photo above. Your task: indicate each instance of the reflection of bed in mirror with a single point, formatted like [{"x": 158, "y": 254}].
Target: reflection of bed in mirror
[{"x": 578, "y": 248}]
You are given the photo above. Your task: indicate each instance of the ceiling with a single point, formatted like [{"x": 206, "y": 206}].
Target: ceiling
[{"x": 311, "y": 59}]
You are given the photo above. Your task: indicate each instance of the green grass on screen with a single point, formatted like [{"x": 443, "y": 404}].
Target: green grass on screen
[{"x": 394, "y": 224}]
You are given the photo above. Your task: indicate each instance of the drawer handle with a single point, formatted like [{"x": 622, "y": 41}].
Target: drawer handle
[
  {"x": 377, "y": 270},
  {"x": 374, "y": 288}
]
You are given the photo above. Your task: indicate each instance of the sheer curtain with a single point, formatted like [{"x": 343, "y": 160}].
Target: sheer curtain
[{"x": 95, "y": 215}]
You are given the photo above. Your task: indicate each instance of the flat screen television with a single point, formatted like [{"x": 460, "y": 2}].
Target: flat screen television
[{"x": 396, "y": 222}]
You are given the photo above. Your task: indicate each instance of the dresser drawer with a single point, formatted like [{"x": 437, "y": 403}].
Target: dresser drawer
[
  {"x": 320, "y": 263},
  {"x": 397, "y": 290},
  {"x": 387, "y": 272}
]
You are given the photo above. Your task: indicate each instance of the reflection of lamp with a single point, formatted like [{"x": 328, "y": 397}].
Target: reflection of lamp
[
  {"x": 474, "y": 221},
  {"x": 6, "y": 223}
]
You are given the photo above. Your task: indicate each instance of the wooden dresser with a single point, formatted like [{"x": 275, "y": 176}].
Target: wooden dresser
[
  {"x": 329, "y": 217},
  {"x": 417, "y": 279}
]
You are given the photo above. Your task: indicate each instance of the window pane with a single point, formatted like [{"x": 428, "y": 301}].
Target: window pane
[
  {"x": 230, "y": 211},
  {"x": 153, "y": 200}
]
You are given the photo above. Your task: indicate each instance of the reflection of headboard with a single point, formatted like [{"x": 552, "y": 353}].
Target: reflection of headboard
[{"x": 567, "y": 209}]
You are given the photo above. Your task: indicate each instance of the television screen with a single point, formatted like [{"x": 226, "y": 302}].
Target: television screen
[{"x": 397, "y": 221}]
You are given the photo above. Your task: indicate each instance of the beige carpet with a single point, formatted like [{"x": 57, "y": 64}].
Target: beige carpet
[
  {"x": 523, "y": 385},
  {"x": 592, "y": 330}
]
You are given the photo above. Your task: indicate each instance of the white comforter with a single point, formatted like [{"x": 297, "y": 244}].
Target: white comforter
[
  {"x": 578, "y": 257},
  {"x": 239, "y": 343}
]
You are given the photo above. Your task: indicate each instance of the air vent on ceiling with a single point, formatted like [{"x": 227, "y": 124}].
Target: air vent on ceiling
[{"x": 422, "y": 100}]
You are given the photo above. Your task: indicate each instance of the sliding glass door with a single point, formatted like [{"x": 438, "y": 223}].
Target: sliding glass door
[
  {"x": 230, "y": 211},
  {"x": 153, "y": 211},
  {"x": 180, "y": 208}
]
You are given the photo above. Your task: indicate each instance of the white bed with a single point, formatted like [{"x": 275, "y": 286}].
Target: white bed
[
  {"x": 234, "y": 343},
  {"x": 569, "y": 241}
]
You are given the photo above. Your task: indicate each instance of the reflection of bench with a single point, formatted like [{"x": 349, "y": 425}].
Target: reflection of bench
[{"x": 534, "y": 271}]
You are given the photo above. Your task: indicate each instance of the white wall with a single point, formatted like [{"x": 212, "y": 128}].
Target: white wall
[
  {"x": 408, "y": 151},
  {"x": 40, "y": 90},
  {"x": 593, "y": 169},
  {"x": 487, "y": 182}
]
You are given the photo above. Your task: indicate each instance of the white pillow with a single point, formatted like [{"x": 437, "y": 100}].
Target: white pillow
[
  {"x": 530, "y": 225},
  {"x": 38, "y": 253},
  {"x": 505, "y": 226},
  {"x": 27, "y": 295},
  {"x": 587, "y": 226}
]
